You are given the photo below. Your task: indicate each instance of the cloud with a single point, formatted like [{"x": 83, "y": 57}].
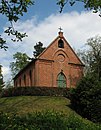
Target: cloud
[
  {"x": 6, "y": 72},
  {"x": 77, "y": 28}
]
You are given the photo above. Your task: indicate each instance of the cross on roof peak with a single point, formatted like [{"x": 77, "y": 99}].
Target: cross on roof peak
[{"x": 60, "y": 29}]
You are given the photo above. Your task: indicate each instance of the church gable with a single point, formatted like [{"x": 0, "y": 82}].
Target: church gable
[{"x": 60, "y": 47}]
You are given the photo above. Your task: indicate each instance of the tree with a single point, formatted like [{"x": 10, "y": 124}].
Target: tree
[
  {"x": 86, "y": 98},
  {"x": 13, "y": 9},
  {"x": 1, "y": 78},
  {"x": 21, "y": 60},
  {"x": 94, "y": 5},
  {"x": 92, "y": 57},
  {"x": 38, "y": 49}
]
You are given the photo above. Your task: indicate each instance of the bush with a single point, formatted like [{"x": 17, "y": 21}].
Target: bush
[
  {"x": 86, "y": 99},
  {"x": 44, "y": 121},
  {"x": 35, "y": 91},
  {"x": 36, "y": 121},
  {"x": 75, "y": 122}
]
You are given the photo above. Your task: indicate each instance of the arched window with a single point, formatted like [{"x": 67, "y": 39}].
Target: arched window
[
  {"x": 20, "y": 82},
  {"x": 61, "y": 80},
  {"x": 24, "y": 80},
  {"x": 16, "y": 84},
  {"x": 60, "y": 44},
  {"x": 30, "y": 77}
]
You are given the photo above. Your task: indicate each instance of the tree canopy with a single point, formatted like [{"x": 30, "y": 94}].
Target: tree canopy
[
  {"x": 86, "y": 98},
  {"x": 21, "y": 59},
  {"x": 38, "y": 49},
  {"x": 94, "y": 5},
  {"x": 13, "y": 9},
  {"x": 92, "y": 57}
]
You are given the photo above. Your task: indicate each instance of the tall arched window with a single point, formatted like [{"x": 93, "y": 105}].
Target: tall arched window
[
  {"x": 16, "y": 84},
  {"x": 24, "y": 80},
  {"x": 60, "y": 43},
  {"x": 20, "y": 82},
  {"x": 30, "y": 77},
  {"x": 61, "y": 80}
]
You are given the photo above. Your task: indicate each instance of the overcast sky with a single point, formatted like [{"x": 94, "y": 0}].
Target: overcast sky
[{"x": 43, "y": 24}]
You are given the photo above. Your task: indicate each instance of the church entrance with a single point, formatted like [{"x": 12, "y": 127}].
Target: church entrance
[{"x": 61, "y": 80}]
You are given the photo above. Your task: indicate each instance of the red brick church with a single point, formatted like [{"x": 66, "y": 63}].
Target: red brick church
[{"x": 57, "y": 66}]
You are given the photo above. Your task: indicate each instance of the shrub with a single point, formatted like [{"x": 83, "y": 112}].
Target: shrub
[
  {"x": 35, "y": 91},
  {"x": 44, "y": 121},
  {"x": 75, "y": 122},
  {"x": 36, "y": 121},
  {"x": 86, "y": 99}
]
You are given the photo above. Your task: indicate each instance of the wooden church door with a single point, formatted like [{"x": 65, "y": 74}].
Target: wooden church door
[{"x": 61, "y": 80}]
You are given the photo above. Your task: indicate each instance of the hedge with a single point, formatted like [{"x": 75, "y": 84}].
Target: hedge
[
  {"x": 45, "y": 121},
  {"x": 35, "y": 91}
]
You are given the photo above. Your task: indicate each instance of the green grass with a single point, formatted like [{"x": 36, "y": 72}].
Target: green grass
[{"x": 29, "y": 104}]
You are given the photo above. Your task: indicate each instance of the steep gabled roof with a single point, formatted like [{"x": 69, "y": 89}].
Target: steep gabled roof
[{"x": 60, "y": 36}]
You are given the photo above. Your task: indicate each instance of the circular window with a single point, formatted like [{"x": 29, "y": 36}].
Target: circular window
[{"x": 61, "y": 58}]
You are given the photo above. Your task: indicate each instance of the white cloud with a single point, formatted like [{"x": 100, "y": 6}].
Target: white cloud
[
  {"x": 77, "y": 28},
  {"x": 6, "y": 72}
]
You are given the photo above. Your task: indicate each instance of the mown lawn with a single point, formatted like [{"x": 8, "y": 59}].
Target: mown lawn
[{"x": 29, "y": 104}]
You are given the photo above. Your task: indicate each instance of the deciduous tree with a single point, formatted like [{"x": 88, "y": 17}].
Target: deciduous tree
[
  {"x": 21, "y": 60},
  {"x": 38, "y": 49},
  {"x": 13, "y": 10},
  {"x": 94, "y": 5},
  {"x": 92, "y": 57}
]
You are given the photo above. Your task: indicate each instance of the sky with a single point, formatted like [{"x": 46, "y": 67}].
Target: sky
[{"x": 41, "y": 23}]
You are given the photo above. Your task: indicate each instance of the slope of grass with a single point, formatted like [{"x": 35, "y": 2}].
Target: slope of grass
[{"x": 29, "y": 104}]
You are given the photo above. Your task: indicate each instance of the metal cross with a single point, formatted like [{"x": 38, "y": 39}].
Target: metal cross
[{"x": 60, "y": 29}]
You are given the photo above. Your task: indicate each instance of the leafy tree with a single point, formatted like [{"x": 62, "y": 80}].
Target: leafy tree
[
  {"x": 94, "y": 5},
  {"x": 13, "y": 9},
  {"x": 86, "y": 98},
  {"x": 1, "y": 78},
  {"x": 38, "y": 49},
  {"x": 21, "y": 59},
  {"x": 95, "y": 55},
  {"x": 92, "y": 57},
  {"x": 9, "y": 84}
]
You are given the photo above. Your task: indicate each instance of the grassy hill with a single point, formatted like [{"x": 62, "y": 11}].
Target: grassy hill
[
  {"x": 29, "y": 104},
  {"x": 22, "y": 105}
]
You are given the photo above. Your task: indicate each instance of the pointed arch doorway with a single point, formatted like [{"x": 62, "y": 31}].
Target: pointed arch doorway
[{"x": 61, "y": 80}]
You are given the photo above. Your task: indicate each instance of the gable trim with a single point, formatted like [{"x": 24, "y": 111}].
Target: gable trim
[
  {"x": 76, "y": 64},
  {"x": 66, "y": 43},
  {"x": 48, "y": 46},
  {"x": 73, "y": 51}
]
